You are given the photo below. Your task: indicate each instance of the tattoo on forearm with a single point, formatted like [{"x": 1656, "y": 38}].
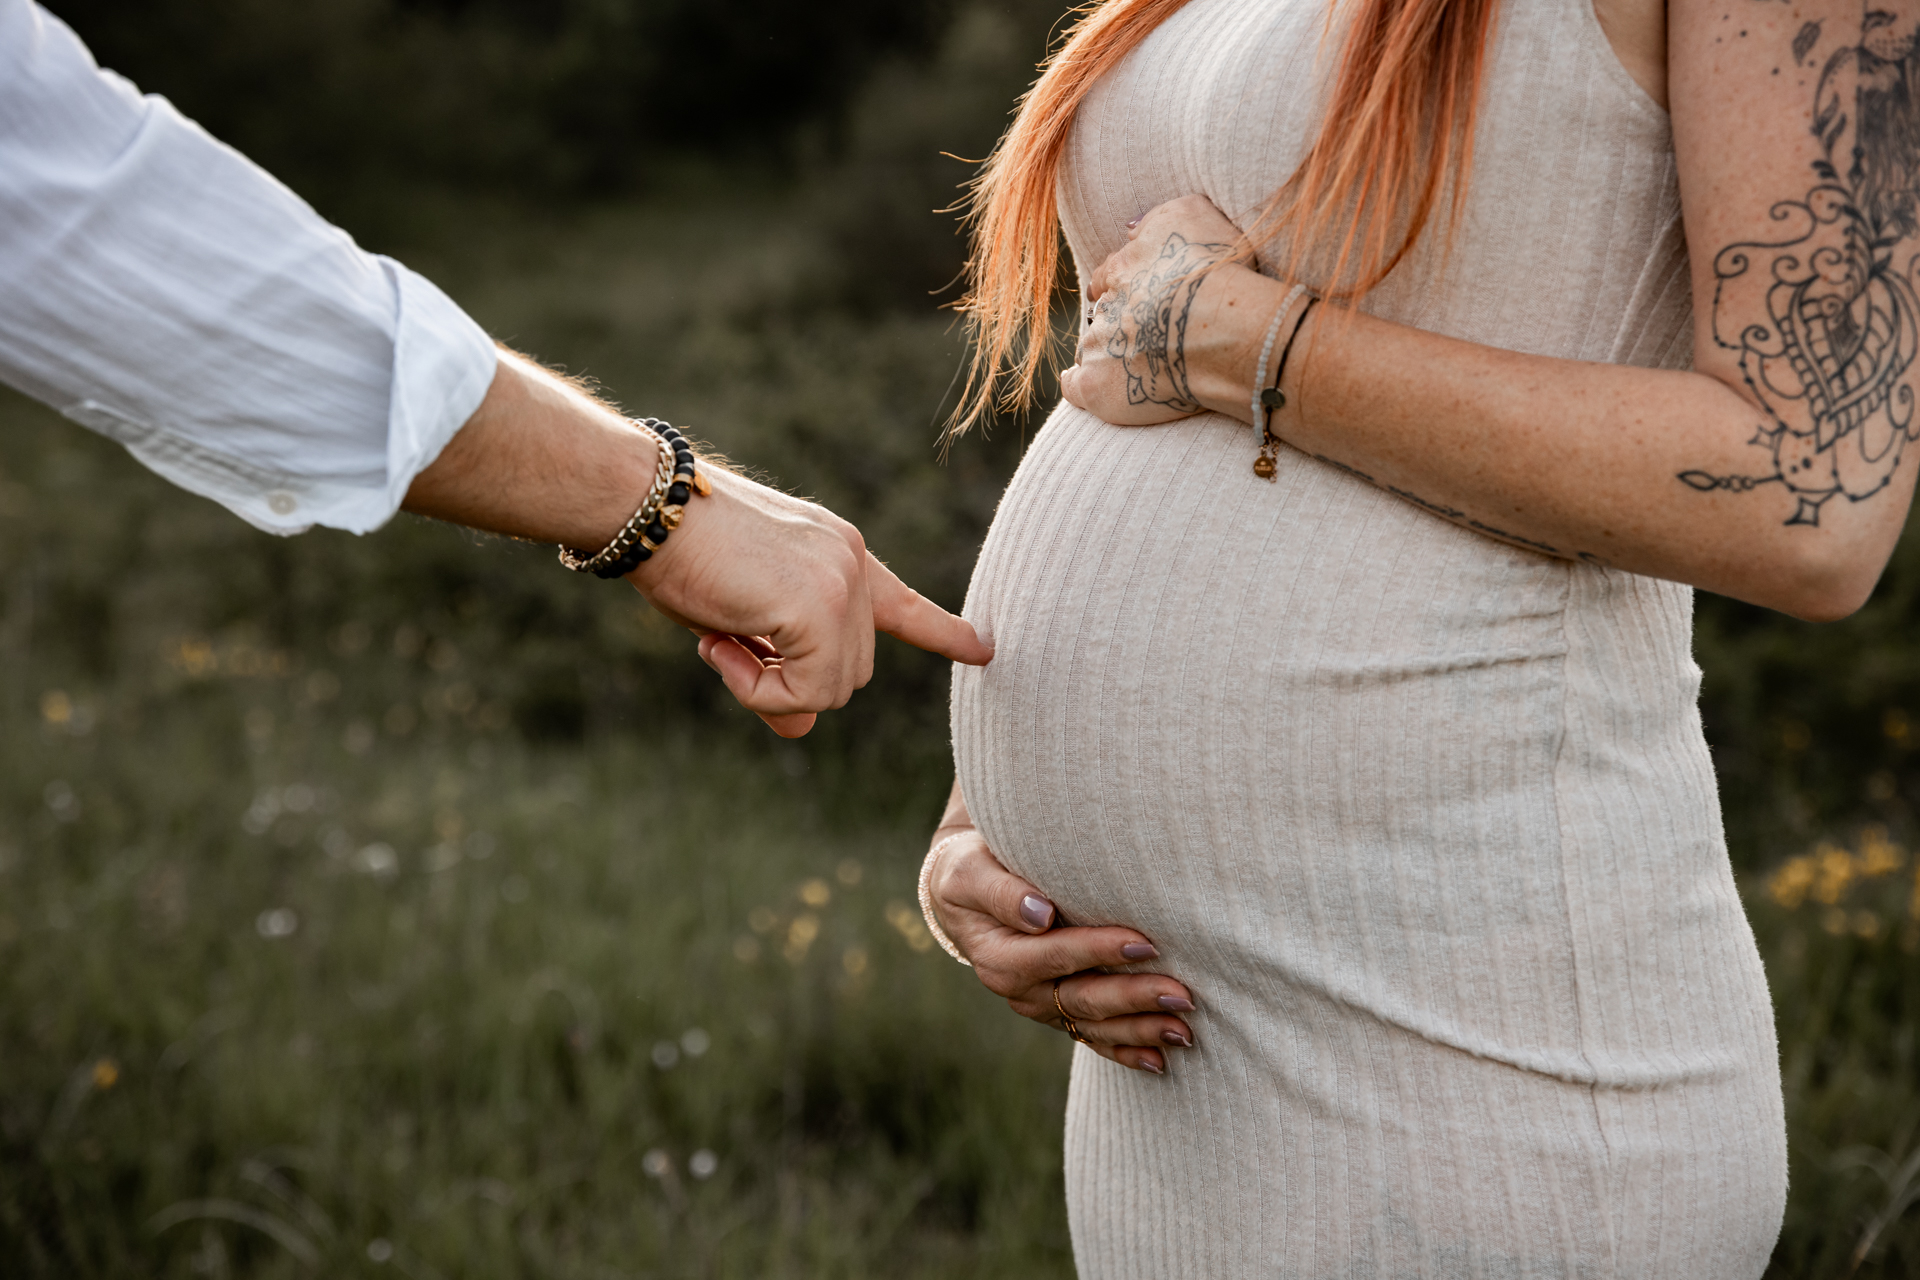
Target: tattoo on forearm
[
  {"x": 1149, "y": 339},
  {"x": 1460, "y": 517},
  {"x": 1151, "y": 317},
  {"x": 1803, "y": 42},
  {"x": 1824, "y": 320}
]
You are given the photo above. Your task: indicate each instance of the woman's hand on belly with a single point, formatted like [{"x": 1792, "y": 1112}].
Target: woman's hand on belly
[
  {"x": 1155, "y": 345},
  {"x": 1020, "y": 955}
]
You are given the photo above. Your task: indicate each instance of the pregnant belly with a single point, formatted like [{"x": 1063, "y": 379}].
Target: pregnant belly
[
  {"x": 1300, "y": 733},
  {"x": 1426, "y": 824}
]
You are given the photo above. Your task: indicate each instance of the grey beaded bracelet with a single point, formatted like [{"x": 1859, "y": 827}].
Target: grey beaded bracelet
[{"x": 1268, "y": 398}]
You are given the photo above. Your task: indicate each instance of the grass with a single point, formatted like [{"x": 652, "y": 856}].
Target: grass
[
  {"x": 1839, "y": 927},
  {"x": 278, "y": 998}
]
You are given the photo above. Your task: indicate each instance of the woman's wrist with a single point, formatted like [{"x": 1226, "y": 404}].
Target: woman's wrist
[
  {"x": 1232, "y": 314},
  {"x": 927, "y": 868}
]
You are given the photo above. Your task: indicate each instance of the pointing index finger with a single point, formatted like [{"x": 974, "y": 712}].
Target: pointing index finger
[{"x": 905, "y": 614}]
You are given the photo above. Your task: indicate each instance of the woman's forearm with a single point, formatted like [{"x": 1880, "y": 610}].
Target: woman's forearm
[
  {"x": 1589, "y": 461},
  {"x": 1664, "y": 473},
  {"x": 955, "y": 818}
]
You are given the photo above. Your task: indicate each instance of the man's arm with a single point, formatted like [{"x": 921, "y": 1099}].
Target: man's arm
[
  {"x": 160, "y": 288},
  {"x": 542, "y": 459}
]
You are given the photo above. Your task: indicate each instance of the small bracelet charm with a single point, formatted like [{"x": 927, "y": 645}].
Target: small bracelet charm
[
  {"x": 926, "y": 900},
  {"x": 1268, "y": 398},
  {"x": 675, "y": 482},
  {"x": 1258, "y": 407}
]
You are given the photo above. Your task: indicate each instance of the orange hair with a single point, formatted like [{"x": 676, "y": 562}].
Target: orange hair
[{"x": 1398, "y": 126}]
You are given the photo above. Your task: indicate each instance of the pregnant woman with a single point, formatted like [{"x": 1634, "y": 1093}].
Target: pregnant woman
[{"x": 1361, "y": 760}]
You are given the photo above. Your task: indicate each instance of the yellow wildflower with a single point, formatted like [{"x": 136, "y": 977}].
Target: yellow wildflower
[
  {"x": 1790, "y": 883},
  {"x": 800, "y": 936},
  {"x": 1836, "y": 871},
  {"x": 1878, "y": 855}
]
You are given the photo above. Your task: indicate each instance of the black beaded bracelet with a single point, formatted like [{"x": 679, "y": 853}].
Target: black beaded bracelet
[
  {"x": 653, "y": 528},
  {"x": 687, "y": 481}
]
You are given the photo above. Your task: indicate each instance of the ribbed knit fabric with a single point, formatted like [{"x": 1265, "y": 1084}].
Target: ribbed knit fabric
[{"x": 1427, "y": 822}]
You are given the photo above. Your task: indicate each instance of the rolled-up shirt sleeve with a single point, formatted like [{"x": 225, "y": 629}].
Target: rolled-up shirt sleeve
[{"x": 158, "y": 287}]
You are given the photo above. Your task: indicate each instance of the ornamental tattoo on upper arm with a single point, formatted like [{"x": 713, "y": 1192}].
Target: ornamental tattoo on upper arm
[
  {"x": 1150, "y": 331},
  {"x": 1824, "y": 320}
]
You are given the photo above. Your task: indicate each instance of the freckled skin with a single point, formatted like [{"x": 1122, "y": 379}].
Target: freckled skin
[
  {"x": 1892, "y": 28},
  {"x": 1827, "y": 320}
]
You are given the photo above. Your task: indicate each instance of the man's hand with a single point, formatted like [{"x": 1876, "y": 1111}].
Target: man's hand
[
  {"x": 786, "y": 598},
  {"x": 783, "y": 593}
]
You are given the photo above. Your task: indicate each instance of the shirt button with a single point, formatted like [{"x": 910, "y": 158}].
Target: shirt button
[{"x": 281, "y": 502}]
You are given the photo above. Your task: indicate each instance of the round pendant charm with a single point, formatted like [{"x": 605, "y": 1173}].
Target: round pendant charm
[{"x": 1263, "y": 466}]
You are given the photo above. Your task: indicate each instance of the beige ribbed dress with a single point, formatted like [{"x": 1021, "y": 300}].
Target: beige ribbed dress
[{"x": 1426, "y": 821}]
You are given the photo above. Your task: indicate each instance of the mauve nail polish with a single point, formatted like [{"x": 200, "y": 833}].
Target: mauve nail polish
[
  {"x": 1139, "y": 951},
  {"x": 1036, "y": 911},
  {"x": 1175, "y": 1004},
  {"x": 1174, "y": 1037},
  {"x": 1148, "y": 1064}
]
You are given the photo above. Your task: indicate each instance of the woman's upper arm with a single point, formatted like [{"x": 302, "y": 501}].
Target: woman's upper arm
[{"x": 1797, "y": 133}]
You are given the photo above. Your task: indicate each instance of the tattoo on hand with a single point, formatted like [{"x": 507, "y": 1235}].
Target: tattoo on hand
[
  {"x": 1824, "y": 320},
  {"x": 1152, "y": 311}
]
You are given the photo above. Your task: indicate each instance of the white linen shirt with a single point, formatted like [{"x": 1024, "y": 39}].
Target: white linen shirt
[{"x": 160, "y": 288}]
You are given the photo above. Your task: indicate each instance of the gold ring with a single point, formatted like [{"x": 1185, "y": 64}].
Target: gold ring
[{"x": 1072, "y": 1030}]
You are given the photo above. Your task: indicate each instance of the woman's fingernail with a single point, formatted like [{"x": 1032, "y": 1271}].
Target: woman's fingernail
[
  {"x": 1176, "y": 1037},
  {"x": 1139, "y": 951},
  {"x": 1175, "y": 1004},
  {"x": 1134, "y": 222},
  {"x": 1148, "y": 1064},
  {"x": 1036, "y": 911}
]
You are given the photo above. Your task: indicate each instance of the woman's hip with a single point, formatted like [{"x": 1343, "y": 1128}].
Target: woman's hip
[{"x": 1335, "y": 1146}]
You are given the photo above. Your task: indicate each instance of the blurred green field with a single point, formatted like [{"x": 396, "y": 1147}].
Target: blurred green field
[
  {"x": 285, "y": 999},
  {"x": 407, "y": 905}
]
